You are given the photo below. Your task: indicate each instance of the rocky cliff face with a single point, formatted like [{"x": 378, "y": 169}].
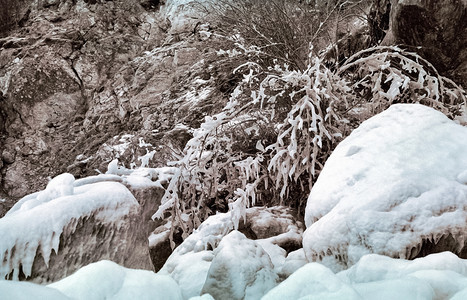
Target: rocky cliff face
[{"x": 79, "y": 75}]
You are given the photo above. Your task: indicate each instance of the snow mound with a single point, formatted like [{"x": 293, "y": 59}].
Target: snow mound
[
  {"x": 108, "y": 280},
  {"x": 96, "y": 281},
  {"x": 315, "y": 280},
  {"x": 60, "y": 186},
  {"x": 395, "y": 186},
  {"x": 189, "y": 263},
  {"x": 26, "y": 291},
  {"x": 437, "y": 276},
  {"x": 36, "y": 222},
  {"x": 241, "y": 269}
]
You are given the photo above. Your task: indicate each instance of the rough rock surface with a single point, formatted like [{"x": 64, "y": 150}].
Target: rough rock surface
[
  {"x": 78, "y": 76},
  {"x": 396, "y": 186},
  {"x": 436, "y": 30},
  {"x": 88, "y": 223}
]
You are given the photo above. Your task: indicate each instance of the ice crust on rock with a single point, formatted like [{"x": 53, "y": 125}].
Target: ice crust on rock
[
  {"x": 37, "y": 221},
  {"x": 395, "y": 183}
]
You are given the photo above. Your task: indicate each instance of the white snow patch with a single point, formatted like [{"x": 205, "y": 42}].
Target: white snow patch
[
  {"x": 294, "y": 261},
  {"x": 315, "y": 280},
  {"x": 189, "y": 263},
  {"x": 189, "y": 271},
  {"x": 60, "y": 186},
  {"x": 394, "y": 181}
]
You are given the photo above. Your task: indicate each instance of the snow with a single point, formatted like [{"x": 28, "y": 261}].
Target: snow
[
  {"x": 37, "y": 221},
  {"x": 294, "y": 261},
  {"x": 203, "y": 297},
  {"x": 241, "y": 269},
  {"x": 437, "y": 276},
  {"x": 312, "y": 279},
  {"x": 395, "y": 181},
  {"x": 60, "y": 186},
  {"x": 27, "y": 291},
  {"x": 191, "y": 263},
  {"x": 108, "y": 280},
  {"x": 96, "y": 281},
  {"x": 138, "y": 178}
]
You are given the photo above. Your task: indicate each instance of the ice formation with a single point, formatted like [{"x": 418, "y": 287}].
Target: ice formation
[
  {"x": 36, "y": 222},
  {"x": 396, "y": 186}
]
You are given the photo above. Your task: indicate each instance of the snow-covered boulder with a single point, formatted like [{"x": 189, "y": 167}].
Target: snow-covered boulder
[
  {"x": 436, "y": 276},
  {"x": 190, "y": 263},
  {"x": 241, "y": 269},
  {"x": 50, "y": 234},
  {"x": 396, "y": 186}
]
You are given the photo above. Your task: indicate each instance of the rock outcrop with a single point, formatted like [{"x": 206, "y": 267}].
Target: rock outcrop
[
  {"x": 78, "y": 76},
  {"x": 396, "y": 186},
  {"x": 436, "y": 30}
]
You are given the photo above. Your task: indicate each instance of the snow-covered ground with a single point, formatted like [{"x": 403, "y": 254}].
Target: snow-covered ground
[
  {"x": 437, "y": 276},
  {"x": 398, "y": 180}
]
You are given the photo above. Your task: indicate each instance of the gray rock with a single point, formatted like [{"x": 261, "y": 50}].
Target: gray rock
[{"x": 436, "y": 30}]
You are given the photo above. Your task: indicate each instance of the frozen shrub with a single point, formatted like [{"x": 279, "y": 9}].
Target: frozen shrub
[{"x": 269, "y": 143}]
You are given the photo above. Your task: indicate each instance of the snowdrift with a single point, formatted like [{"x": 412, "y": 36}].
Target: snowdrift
[
  {"x": 100, "y": 280},
  {"x": 437, "y": 276}
]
